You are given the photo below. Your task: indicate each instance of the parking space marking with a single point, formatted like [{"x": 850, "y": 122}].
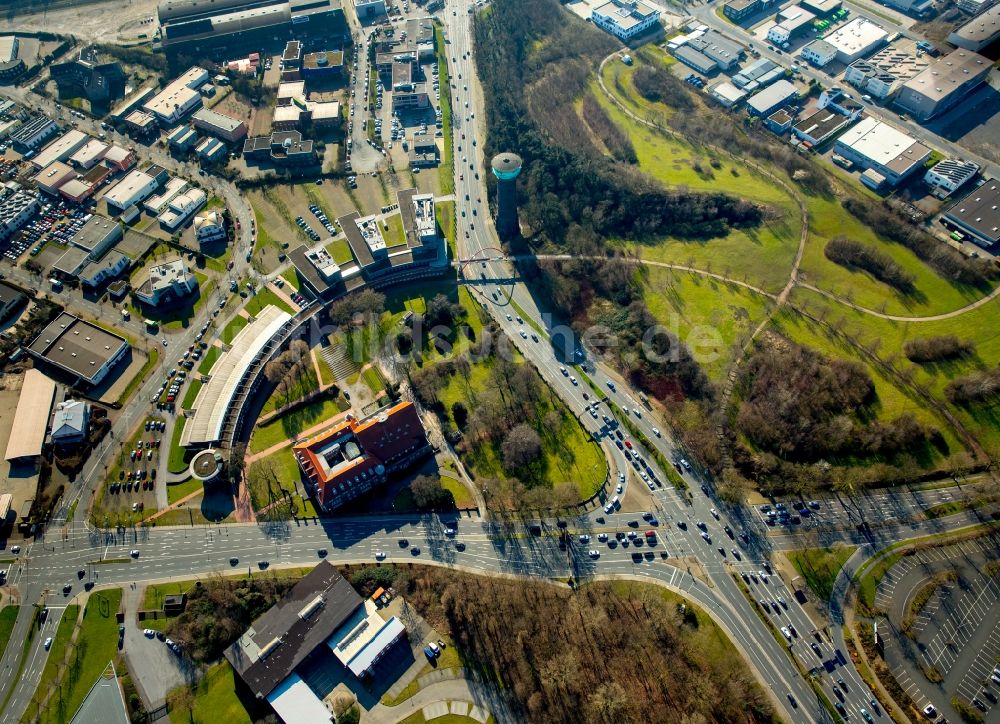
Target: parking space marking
[{"x": 953, "y": 634}]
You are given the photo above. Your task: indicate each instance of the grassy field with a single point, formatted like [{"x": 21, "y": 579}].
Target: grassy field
[
  {"x": 567, "y": 455},
  {"x": 7, "y": 616},
  {"x": 820, "y": 566},
  {"x": 194, "y": 386},
  {"x": 304, "y": 384},
  {"x": 290, "y": 425},
  {"x": 263, "y": 298},
  {"x": 708, "y": 315},
  {"x": 214, "y": 699},
  {"x": 181, "y": 490},
  {"x": 96, "y": 645},
  {"x": 445, "y": 212}
]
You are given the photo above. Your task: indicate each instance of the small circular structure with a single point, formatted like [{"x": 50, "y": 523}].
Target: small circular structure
[
  {"x": 506, "y": 165},
  {"x": 206, "y": 465}
]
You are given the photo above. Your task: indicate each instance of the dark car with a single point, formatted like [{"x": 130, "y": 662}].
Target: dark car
[
  {"x": 403, "y": 543},
  {"x": 234, "y": 561},
  {"x": 791, "y": 700},
  {"x": 262, "y": 564},
  {"x": 415, "y": 551}
]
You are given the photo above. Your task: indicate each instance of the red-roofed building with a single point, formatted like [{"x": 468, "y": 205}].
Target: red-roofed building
[{"x": 354, "y": 456}]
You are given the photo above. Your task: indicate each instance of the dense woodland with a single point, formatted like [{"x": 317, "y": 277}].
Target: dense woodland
[
  {"x": 512, "y": 412},
  {"x": 604, "y": 653},
  {"x": 799, "y": 409},
  {"x": 533, "y": 59},
  {"x": 220, "y": 609}
]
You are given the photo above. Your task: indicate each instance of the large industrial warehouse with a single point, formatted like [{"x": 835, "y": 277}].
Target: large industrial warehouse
[{"x": 196, "y": 29}]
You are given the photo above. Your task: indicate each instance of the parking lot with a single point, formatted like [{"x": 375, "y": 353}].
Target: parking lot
[{"x": 955, "y": 636}]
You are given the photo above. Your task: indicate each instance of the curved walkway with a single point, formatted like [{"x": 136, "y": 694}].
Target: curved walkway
[
  {"x": 793, "y": 279},
  {"x": 901, "y": 318}
]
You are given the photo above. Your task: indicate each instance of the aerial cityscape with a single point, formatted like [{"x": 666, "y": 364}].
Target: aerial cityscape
[{"x": 403, "y": 361}]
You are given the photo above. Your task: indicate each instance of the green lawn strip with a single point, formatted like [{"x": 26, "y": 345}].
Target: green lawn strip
[
  {"x": 820, "y": 566},
  {"x": 340, "y": 250},
  {"x": 152, "y": 357},
  {"x": 291, "y": 278},
  {"x": 463, "y": 498},
  {"x": 712, "y": 318},
  {"x": 233, "y": 328},
  {"x": 265, "y": 297},
  {"x": 446, "y": 171},
  {"x": 7, "y": 617},
  {"x": 445, "y": 214},
  {"x": 180, "y": 490},
  {"x": 96, "y": 646},
  {"x": 326, "y": 376},
  {"x": 176, "y": 461},
  {"x": 191, "y": 394},
  {"x": 290, "y": 425},
  {"x": 57, "y": 652},
  {"x": 303, "y": 385},
  {"x": 211, "y": 354},
  {"x": 373, "y": 379},
  {"x": 528, "y": 319}
]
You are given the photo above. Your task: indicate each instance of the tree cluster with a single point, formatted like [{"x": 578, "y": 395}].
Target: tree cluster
[
  {"x": 658, "y": 85},
  {"x": 365, "y": 303},
  {"x": 429, "y": 494},
  {"x": 923, "y": 350},
  {"x": 547, "y": 648},
  {"x": 946, "y": 261},
  {"x": 977, "y": 388},
  {"x": 854, "y": 254},
  {"x": 803, "y": 407},
  {"x": 287, "y": 369},
  {"x": 516, "y": 44},
  {"x": 611, "y": 135},
  {"x": 219, "y": 610}
]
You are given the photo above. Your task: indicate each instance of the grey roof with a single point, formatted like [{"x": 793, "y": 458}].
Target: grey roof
[
  {"x": 694, "y": 58},
  {"x": 306, "y": 269},
  {"x": 359, "y": 247},
  {"x": 105, "y": 703},
  {"x": 298, "y": 634},
  {"x": 97, "y": 229},
  {"x": 773, "y": 95},
  {"x": 979, "y": 212}
]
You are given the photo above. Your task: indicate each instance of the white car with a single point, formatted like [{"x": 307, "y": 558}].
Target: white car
[
  {"x": 573, "y": 380},
  {"x": 48, "y": 643},
  {"x": 715, "y": 513},
  {"x": 134, "y": 553},
  {"x": 594, "y": 553},
  {"x": 564, "y": 372},
  {"x": 602, "y": 537},
  {"x": 656, "y": 431},
  {"x": 786, "y": 633},
  {"x": 585, "y": 538},
  {"x": 619, "y": 488},
  {"x": 148, "y": 633},
  {"x": 380, "y": 556}
]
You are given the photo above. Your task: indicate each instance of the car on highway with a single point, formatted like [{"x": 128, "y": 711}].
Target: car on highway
[
  {"x": 48, "y": 643},
  {"x": 148, "y": 633},
  {"x": 379, "y": 555},
  {"x": 792, "y": 701},
  {"x": 415, "y": 551},
  {"x": 707, "y": 537},
  {"x": 584, "y": 538},
  {"x": 594, "y": 553},
  {"x": 134, "y": 553}
]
